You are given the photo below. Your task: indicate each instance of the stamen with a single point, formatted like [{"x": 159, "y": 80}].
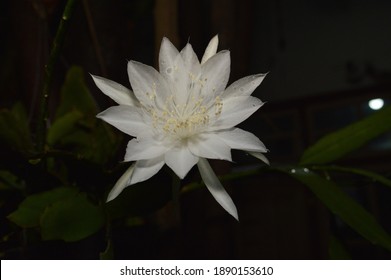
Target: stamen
[{"x": 181, "y": 121}]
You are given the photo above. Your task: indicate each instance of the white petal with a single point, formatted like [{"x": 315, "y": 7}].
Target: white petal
[
  {"x": 168, "y": 54},
  {"x": 211, "y": 49},
  {"x": 240, "y": 139},
  {"x": 121, "y": 184},
  {"x": 216, "y": 189},
  {"x": 148, "y": 85},
  {"x": 244, "y": 86},
  {"x": 235, "y": 110},
  {"x": 146, "y": 148},
  {"x": 260, "y": 156},
  {"x": 209, "y": 145},
  {"x": 172, "y": 68},
  {"x": 215, "y": 75},
  {"x": 115, "y": 91},
  {"x": 191, "y": 61},
  {"x": 126, "y": 118},
  {"x": 180, "y": 160},
  {"x": 145, "y": 169}
]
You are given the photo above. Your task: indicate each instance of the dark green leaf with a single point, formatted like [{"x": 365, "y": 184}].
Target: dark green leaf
[
  {"x": 343, "y": 206},
  {"x": 75, "y": 95},
  {"x": 76, "y": 128},
  {"x": 9, "y": 181},
  {"x": 20, "y": 115},
  {"x": 372, "y": 175},
  {"x": 71, "y": 219},
  {"x": 336, "y": 250},
  {"x": 63, "y": 126},
  {"x": 30, "y": 210},
  {"x": 96, "y": 144},
  {"x": 337, "y": 144},
  {"x": 14, "y": 130}
]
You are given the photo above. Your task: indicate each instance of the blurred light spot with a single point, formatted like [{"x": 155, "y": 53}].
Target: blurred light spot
[{"x": 376, "y": 104}]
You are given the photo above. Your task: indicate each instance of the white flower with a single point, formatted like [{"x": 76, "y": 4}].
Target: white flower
[{"x": 183, "y": 115}]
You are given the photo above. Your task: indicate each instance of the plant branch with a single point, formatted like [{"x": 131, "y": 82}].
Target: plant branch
[
  {"x": 228, "y": 177},
  {"x": 49, "y": 69}
]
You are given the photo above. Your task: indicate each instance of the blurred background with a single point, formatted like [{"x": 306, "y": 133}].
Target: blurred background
[{"x": 326, "y": 62}]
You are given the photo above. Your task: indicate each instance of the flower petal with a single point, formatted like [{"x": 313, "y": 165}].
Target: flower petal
[
  {"x": 215, "y": 75},
  {"x": 180, "y": 160},
  {"x": 115, "y": 91},
  {"x": 145, "y": 169},
  {"x": 260, "y": 156},
  {"x": 244, "y": 86},
  {"x": 240, "y": 139},
  {"x": 235, "y": 110},
  {"x": 209, "y": 145},
  {"x": 172, "y": 68},
  {"x": 143, "y": 149},
  {"x": 216, "y": 189},
  {"x": 211, "y": 49},
  {"x": 128, "y": 119},
  {"x": 121, "y": 184},
  {"x": 149, "y": 86},
  {"x": 190, "y": 61},
  {"x": 168, "y": 54}
]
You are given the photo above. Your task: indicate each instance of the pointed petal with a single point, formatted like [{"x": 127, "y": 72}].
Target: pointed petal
[
  {"x": 240, "y": 139},
  {"x": 168, "y": 56},
  {"x": 180, "y": 160},
  {"x": 115, "y": 91},
  {"x": 172, "y": 68},
  {"x": 209, "y": 145},
  {"x": 145, "y": 169},
  {"x": 216, "y": 189},
  {"x": 147, "y": 83},
  {"x": 121, "y": 184},
  {"x": 235, "y": 110},
  {"x": 244, "y": 86},
  {"x": 215, "y": 75},
  {"x": 126, "y": 118},
  {"x": 191, "y": 61},
  {"x": 260, "y": 156},
  {"x": 146, "y": 148},
  {"x": 211, "y": 49}
]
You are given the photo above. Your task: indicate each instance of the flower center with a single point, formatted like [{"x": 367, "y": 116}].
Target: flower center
[{"x": 180, "y": 121}]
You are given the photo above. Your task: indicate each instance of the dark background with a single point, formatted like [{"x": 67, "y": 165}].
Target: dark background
[{"x": 326, "y": 60}]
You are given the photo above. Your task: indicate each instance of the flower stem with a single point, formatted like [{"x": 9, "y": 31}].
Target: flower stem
[{"x": 49, "y": 68}]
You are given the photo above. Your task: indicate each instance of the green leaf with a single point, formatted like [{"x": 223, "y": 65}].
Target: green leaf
[
  {"x": 97, "y": 143},
  {"x": 343, "y": 206},
  {"x": 14, "y": 130},
  {"x": 63, "y": 126},
  {"x": 20, "y": 115},
  {"x": 71, "y": 219},
  {"x": 76, "y": 128},
  {"x": 75, "y": 95},
  {"x": 30, "y": 210},
  {"x": 337, "y": 144},
  {"x": 9, "y": 181},
  {"x": 336, "y": 250},
  {"x": 372, "y": 175}
]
